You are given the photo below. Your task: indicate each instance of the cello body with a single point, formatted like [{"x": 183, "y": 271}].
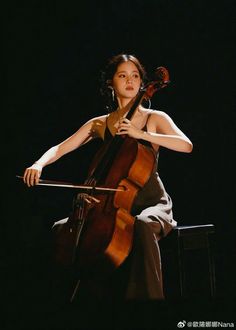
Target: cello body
[{"x": 107, "y": 235}]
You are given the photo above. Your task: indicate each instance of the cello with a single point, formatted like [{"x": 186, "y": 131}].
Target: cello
[{"x": 98, "y": 236}]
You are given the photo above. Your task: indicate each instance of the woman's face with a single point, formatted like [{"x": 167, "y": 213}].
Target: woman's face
[{"x": 126, "y": 81}]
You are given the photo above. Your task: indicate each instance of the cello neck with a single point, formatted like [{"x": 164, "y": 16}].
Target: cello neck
[{"x": 136, "y": 103}]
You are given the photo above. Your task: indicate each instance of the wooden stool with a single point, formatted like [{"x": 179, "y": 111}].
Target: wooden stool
[{"x": 188, "y": 262}]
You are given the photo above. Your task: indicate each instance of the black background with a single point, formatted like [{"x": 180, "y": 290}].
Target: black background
[{"x": 54, "y": 54}]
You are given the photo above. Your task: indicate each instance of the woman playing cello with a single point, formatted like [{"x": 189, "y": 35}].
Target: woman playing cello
[{"x": 140, "y": 276}]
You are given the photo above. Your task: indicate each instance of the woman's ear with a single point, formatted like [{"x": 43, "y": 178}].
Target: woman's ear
[
  {"x": 112, "y": 92},
  {"x": 109, "y": 83}
]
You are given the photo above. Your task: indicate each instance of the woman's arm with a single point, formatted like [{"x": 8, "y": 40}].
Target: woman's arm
[
  {"x": 162, "y": 131},
  {"x": 84, "y": 134}
]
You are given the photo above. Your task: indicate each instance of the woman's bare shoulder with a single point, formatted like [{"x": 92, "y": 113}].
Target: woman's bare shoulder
[
  {"x": 98, "y": 126},
  {"x": 155, "y": 114},
  {"x": 101, "y": 118}
]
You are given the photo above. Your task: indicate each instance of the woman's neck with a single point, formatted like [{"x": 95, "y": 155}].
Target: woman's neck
[
  {"x": 124, "y": 105},
  {"x": 125, "y": 102}
]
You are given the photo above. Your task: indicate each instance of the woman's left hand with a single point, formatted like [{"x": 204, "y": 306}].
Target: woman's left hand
[{"x": 126, "y": 127}]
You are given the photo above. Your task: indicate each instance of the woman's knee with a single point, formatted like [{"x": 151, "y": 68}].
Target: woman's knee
[{"x": 145, "y": 223}]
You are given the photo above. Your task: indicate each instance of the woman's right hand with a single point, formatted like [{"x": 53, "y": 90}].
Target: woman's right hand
[{"x": 32, "y": 174}]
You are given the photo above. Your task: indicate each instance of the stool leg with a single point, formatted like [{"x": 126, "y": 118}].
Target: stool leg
[
  {"x": 211, "y": 268},
  {"x": 181, "y": 268}
]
